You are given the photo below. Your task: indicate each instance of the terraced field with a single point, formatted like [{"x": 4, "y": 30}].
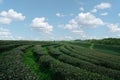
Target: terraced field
[{"x": 30, "y": 60}]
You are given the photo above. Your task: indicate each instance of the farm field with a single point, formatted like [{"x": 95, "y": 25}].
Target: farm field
[
  {"x": 59, "y": 60},
  {"x": 59, "y": 39}
]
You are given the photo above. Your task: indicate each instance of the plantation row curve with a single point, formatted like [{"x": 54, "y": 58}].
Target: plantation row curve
[{"x": 58, "y": 60}]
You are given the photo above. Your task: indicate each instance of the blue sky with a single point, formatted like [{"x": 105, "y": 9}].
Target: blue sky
[{"x": 59, "y": 19}]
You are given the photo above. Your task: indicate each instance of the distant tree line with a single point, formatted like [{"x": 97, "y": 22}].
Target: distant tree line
[{"x": 107, "y": 41}]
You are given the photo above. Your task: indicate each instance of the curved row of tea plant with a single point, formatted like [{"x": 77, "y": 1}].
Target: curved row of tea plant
[
  {"x": 13, "y": 68},
  {"x": 8, "y": 47},
  {"x": 67, "y": 57},
  {"x": 106, "y": 60},
  {"x": 34, "y": 60},
  {"x": 63, "y": 66}
]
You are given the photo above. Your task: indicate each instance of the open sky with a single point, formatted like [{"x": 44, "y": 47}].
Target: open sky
[{"x": 59, "y": 19}]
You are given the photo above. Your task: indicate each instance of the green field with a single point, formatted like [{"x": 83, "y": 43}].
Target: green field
[{"x": 59, "y": 60}]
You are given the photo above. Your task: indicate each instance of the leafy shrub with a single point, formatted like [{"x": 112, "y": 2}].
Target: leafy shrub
[
  {"x": 107, "y": 47},
  {"x": 12, "y": 67},
  {"x": 52, "y": 52},
  {"x": 37, "y": 52},
  {"x": 89, "y": 66},
  {"x": 102, "y": 59},
  {"x": 7, "y": 47},
  {"x": 66, "y": 71}
]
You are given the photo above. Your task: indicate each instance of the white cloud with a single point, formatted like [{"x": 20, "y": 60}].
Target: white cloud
[
  {"x": 4, "y": 20},
  {"x": 65, "y": 37},
  {"x": 81, "y": 8},
  {"x": 104, "y": 14},
  {"x": 5, "y": 34},
  {"x": 84, "y": 20},
  {"x": 103, "y": 6},
  {"x": 41, "y": 25},
  {"x": 80, "y": 33},
  {"x": 68, "y": 37},
  {"x": 6, "y": 17},
  {"x": 73, "y": 24},
  {"x": 118, "y": 35},
  {"x": 59, "y": 15},
  {"x": 88, "y": 20},
  {"x": 12, "y": 14},
  {"x": 119, "y": 14},
  {"x": 113, "y": 27},
  {"x": 94, "y": 10},
  {"x": 94, "y": 37},
  {"x": 77, "y": 24},
  {"x": 19, "y": 38}
]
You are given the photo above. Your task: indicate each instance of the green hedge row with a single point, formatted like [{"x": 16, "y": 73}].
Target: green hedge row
[
  {"x": 63, "y": 71},
  {"x": 107, "y": 47},
  {"x": 106, "y": 60},
  {"x": 53, "y": 52},
  {"x": 7, "y": 47},
  {"x": 38, "y": 52},
  {"x": 13, "y": 68},
  {"x": 70, "y": 51},
  {"x": 89, "y": 66}
]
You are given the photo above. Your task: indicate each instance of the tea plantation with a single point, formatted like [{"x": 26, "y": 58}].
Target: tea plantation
[{"x": 59, "y": 60}]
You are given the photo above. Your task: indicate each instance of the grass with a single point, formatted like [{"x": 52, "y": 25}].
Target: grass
[
  {"x": 1, "y": 54},
  {"x": 92, "y": 45},
  {"x": 45, "y": 49},
  {"x": 29, "y": 60},
  {"x": 78, "y": 55},
  {"x": 102, "y": 50},
  {"x": 107, "y": 51}
]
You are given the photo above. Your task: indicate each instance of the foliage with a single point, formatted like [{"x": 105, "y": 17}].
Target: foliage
[
  {"x": 12, "y": 67},
  {"x": 63, "y": 71},
  {"x": 59, "y": 60}
]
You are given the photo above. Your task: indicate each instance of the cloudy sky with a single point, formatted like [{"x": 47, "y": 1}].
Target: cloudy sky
[{"x": 59, "y": 19}]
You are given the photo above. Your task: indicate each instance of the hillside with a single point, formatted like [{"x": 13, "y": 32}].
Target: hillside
[{"x": 60, "y": 60}]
